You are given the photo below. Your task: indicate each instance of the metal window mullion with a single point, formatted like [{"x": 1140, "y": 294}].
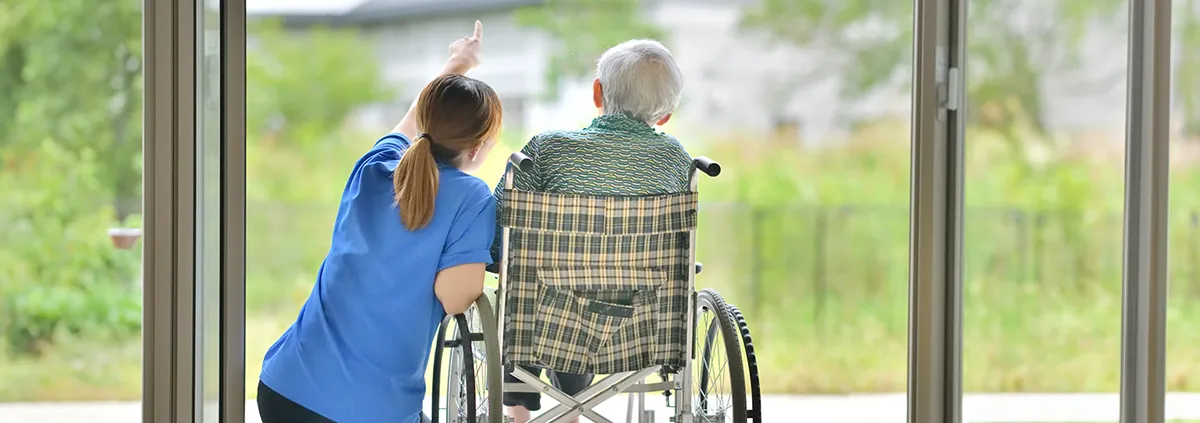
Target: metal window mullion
[
  {"x": 187, "y": 396},
  {"x": 1143, "y": 326},
  {"x": 935, "y": 243},
  {"x": 158, "y": 210},
  {"x": 169, "y": 210},
  {"x": 233, "y": 211}
]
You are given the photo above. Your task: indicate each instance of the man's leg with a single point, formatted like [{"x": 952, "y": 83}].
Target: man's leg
[
  {"x": 519, "y": 404},
  {"x": 571, "y": 383}
]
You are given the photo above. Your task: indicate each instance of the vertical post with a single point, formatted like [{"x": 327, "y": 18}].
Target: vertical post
[
  {"x": 935, "y": 231},
  {"x": 1194, "y": 253},
  {"x": 819, "y": 258},
  {"x": 1143, "y": 326},
  {"x": 233, "y": 211},
  {"x": 1022, "y": 252},
  {"x": 756, "y": 260},
  {"x": 1039, "y": 245},
  {"x": 169, "y": 133}
]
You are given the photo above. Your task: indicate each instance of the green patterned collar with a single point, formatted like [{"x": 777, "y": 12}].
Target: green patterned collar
[{"x": 622, "y": 123}]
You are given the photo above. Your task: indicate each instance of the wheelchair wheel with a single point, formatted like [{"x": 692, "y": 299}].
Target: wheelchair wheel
[
  {"x": 718, "y": 378},
  {"x": 754, "y": 414},
  {"x": 473, "y": 373}
]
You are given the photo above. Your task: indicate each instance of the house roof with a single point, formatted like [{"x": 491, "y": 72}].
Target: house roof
[{"x": 367, "y": 11}]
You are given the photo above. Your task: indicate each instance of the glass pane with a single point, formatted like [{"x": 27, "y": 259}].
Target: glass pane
[
  {"x": 1043, "y": 215},
  {"x": 804, "y": 102},
  {"x": 208, "y": 211},
  {"x": 1183, "y": 305},
  {"x": 70, "y": 210}
]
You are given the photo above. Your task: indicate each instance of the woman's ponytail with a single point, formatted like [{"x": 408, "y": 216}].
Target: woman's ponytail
[
  {"x": 463, "y": 114},
  {"x": 416, "y": 184}
]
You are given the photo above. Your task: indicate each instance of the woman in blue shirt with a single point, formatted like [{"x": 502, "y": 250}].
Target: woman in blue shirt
[{"x": 409, "y": 246}]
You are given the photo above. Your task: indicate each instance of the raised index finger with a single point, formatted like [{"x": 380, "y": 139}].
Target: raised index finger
[{"x": 478, "y": 30}]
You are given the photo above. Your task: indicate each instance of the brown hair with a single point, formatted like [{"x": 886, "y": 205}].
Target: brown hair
[{"x": 455, "y": 114}]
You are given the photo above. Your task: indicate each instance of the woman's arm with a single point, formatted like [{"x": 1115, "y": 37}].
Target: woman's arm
[
  {"x": 459, "y": 286},
  {"x": 464, "y": 56}
]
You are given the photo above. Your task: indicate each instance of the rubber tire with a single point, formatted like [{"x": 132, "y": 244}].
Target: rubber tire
[
  {"x": 464, "y": 356},
  {"x": 485, "y": 312},
  {"x": 712, "y": 300},
  {"x": 755, "y": 412}
]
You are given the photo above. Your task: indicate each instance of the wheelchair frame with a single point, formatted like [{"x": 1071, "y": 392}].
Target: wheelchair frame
[{"x": 629, "y": 382}]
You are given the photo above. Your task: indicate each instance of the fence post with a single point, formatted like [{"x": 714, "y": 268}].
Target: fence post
[
  {"x": 1195, "y": 226},
  {"x": 819, "y": 265},
  {"x": 756, "y": 260},
  {"x": 1022, "y": 246},
  {"x": 1039, "y": 229}
]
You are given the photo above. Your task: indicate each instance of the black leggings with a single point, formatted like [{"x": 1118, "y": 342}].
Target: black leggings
[{"x": 276, "y": 408}]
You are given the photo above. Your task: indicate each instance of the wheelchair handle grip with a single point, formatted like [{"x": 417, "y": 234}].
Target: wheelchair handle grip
[
  {"x": 521, "y": 161},
  {"x": 707, "y": 165}
]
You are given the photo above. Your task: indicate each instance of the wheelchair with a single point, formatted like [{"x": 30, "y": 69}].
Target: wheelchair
[{"x": 600, "y": 285}]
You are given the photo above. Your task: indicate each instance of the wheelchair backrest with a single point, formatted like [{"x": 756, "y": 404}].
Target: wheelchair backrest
[{"x": 597, "y": 284}]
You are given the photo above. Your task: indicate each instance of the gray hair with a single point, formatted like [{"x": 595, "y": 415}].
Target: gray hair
[{"x": 639, "y": 78}]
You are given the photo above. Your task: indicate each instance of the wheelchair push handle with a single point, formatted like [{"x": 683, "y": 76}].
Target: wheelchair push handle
[
  {"x": 707, "y": 165},
  {"x": 521, "y": 161}
]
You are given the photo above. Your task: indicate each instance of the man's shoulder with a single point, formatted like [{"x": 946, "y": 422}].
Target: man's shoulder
[
  {"x": 566, "y": 139},
  {"x": 671, "y": 140},
  {"x": 558, "y": 136}
]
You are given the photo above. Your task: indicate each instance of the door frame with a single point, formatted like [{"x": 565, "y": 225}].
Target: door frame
[{"x": 169, "y": 323}]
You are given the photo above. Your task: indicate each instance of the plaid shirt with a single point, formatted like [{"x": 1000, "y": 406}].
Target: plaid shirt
[{"x": 616, "y": 155}]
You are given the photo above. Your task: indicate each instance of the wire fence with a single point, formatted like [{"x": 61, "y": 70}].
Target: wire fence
[
  {"x": 826, "y": 253},
  {"x": 813, "y": 256}
]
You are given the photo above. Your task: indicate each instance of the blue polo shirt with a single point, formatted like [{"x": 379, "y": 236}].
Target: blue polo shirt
[{"x": 358, "y": 350}]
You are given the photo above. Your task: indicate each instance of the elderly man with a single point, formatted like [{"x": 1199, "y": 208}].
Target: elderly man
[{"x": 637, "y": 87}]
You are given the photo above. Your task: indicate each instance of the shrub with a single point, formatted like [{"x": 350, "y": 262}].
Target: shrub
[{"x": 60, "y": 274}]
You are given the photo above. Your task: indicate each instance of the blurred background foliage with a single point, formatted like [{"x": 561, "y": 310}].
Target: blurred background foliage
[{"x": 811, "y": 242}]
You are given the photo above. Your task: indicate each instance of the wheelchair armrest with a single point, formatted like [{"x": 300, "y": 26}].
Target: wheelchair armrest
[{"x": 699, "y": 267}]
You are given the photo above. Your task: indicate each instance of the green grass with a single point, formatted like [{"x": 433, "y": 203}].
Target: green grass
[{"x": 1037, "y": 344}]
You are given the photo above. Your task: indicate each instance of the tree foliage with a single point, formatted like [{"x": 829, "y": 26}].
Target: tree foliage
[
  {"x": 1186, "y": 14},
  {"x": 70, "y": 150},
  {"x": 584, "y": 29},
  {"x": 1012, "y": 46},
  {"x": 310, "y": 80},
  {"x": 70, "y": 71}
]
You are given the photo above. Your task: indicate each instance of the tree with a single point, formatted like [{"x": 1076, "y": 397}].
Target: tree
[
  {"x": 70, "y": 149},
  {"x": 308, "y": 81},
  {"x": 1011, "y": 46},
  {"x": 1186, "y": 14},
  {"x": 70, "y": 71},
  {"x": 584, "y": 29}
]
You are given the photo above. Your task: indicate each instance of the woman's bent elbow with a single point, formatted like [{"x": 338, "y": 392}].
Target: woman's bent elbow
[
  {"x": 457, "y": 305},
  {"x": 458, "y": 287}
]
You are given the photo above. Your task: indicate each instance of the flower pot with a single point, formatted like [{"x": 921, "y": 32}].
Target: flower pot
[{"x": 124, "y": 238}]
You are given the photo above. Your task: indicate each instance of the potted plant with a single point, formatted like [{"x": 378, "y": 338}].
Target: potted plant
[{"x": 127, "y": 235}]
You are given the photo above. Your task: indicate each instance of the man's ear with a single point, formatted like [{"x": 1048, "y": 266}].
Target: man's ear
[
  {"x": 664, "y": 120},
  {"x": 597, "y": 94}
]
